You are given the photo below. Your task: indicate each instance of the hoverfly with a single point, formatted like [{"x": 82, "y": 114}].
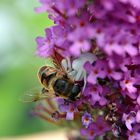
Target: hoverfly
[
  {"x": 47, "y": 109},
  {"x": 63, "y": 79},
  {"x": 57, "y": 81}
]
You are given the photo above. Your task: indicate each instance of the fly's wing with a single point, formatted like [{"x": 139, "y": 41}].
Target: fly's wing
[
  {"x": 32, "y": 97},
  {"x": 36, "y": 96}
]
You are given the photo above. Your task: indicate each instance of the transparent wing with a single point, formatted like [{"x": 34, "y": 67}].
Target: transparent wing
[
  {"x": 36, "y": 96},
  {"x": 32, "y": 97}
]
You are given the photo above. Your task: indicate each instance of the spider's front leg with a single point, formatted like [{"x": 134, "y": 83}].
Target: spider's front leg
[{"x": 66, "y": 63}]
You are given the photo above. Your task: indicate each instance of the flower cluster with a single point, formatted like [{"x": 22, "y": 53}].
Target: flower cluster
[{"x": 108, "y": 30}]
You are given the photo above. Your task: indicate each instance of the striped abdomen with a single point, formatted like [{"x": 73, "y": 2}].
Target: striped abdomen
[
  {"x": 64, "y": 88},
  {"x": 46, "y": 75}
]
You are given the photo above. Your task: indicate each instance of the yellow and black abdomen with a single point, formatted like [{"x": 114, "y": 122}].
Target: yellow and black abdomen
[
  {"x": 66, "y": 89},
  {"x": 46, "y": 75},
  {"x": 56, "y": 82}
]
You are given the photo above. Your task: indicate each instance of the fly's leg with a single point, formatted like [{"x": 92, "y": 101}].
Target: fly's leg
[
  {"x": 49, "y": 112},
  {"x": 51, "y": 104},
  {"x": 85, "y": 81},
  {"x": 69, "y": 64}
]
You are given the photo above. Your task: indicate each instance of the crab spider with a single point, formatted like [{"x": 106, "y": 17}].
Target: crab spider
[{"x": 76, "y": 67}]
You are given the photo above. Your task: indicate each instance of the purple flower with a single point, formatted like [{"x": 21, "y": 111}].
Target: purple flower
[
  {"x": 96, "y": 71},
  {"x": 114, "y": 74},
  {"x": 46, "y": 4},
  {"x": 128, "y": 85},
  {"x": 80, "y": 42},
  {"x": 134, "y": 134},
  {"x": 102, "y": 126},
  {"x": 60, "y": 8},
  {"x": 79, "y": 46},
  {"x": 95, "y": 93},
  {"x": 97, "y": 128},
  {"x": 138, "y": 117},
  {"x": 129, "y": 119},
  {"x": 89, "y": 132},
  {"x": 44, "y": 48},
  {"x": 100, "y": 43},
  {"x": 138, "y": 100},
  {"x": 69, "y": 109},
  {"x": 134, "y": 3},
  {"x": 87, "y": 119},
  {"x": 55, "y": 40}
]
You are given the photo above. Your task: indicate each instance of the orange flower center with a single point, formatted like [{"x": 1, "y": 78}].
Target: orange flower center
[
  {"x": 82, "y": 23},
  {"x": 127, "y": 81},
  {"x": 99, "y": 31},
  {"x": 92, "y": 133},
  {"x": 86, "y": 119},
  {"x": 96, "y": 71},
  {"x": 109, "y": 71},
  {"x": 71, "y": 109},
  {"x": 101, "y": 127},
  {"x": 132, "y": 133},
  {"x": 94, "y": 89}
]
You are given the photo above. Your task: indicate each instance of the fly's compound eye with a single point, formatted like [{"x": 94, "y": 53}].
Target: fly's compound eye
[
  {"x": 60, "y": 85},
  {"x": 75, "y": 91}
]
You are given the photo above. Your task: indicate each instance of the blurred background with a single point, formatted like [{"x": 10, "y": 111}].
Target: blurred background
[{"x": 19, "y": 26}]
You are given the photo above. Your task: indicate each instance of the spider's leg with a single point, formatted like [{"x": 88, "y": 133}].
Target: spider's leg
[
  {"x": 72, "y": 73},
  {"x": 45, "y": 117},
  {"x": 47, "y": 113},
  {"x": 69, "y": 64},
  {"x": 66, "y": 63},
  {"x": 51, "y": 104},
  {"x": 41, "y": 107},
  {"x": 85, "y": 81},
  {"x": 79, "y": 74}
]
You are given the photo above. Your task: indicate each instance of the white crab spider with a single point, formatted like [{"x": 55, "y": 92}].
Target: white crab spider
[{"x": 76, "y": 68}]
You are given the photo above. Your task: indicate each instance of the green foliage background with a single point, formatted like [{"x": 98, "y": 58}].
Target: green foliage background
[{"x": 19, "y": 26}]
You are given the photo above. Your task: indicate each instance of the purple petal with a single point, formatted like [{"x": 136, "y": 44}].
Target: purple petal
[
  {"x": 138, "y": 116},
  {"x": 138, "y": 100},
  {"x": 92, "y": 79},
  {"x": 70, "y": 116}
]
